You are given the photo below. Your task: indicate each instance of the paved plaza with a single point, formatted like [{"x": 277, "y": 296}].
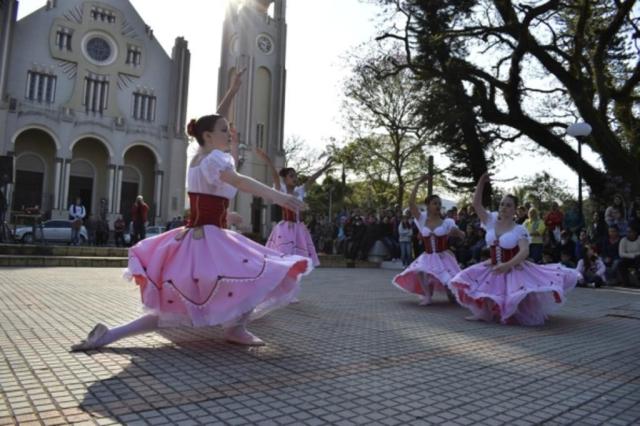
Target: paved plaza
[{"x": 355, "y": 350}]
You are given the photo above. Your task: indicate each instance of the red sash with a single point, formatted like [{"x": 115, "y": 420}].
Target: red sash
[
  {"x": 502, "y": 255},
  {"x": 435, "y": 244},
  {"x": 207, "y": 209}
]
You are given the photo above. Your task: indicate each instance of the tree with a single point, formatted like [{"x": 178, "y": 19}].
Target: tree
[
  {"x": 541, "y": 190},
  {"x": 300, "y": 155},
  {"x": 389, "y": 143},
  {"x": 331, "y": 192},
  {"x": 578, "y": 57}
]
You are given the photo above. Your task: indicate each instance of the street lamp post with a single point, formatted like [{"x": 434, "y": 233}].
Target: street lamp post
[{"x": 579, "y": 131}]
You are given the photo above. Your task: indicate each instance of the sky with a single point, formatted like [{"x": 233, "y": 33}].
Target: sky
[{"x": 320, "y": 36}]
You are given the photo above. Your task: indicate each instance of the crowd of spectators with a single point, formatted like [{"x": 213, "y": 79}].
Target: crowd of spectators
[{"x": 605, "y": 248}]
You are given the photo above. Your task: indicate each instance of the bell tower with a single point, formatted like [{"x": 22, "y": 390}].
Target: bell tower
[{"x": 254, "y": 38}]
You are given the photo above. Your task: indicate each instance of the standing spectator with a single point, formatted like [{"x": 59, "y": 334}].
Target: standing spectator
[
  {"x": 118, "y": 231},
  {"x": 371, "y": 235},
  {"x": 104, "y": 209},
  {"x": 610, "y": 249},
  {"x": 387, "y": 237},
  {"x": 634, "y": 210},
  {"x": 480, "y": 246},
  {"x": 592, "y": 268},
  {"x": 465, "y": 251},
  {"x": 416, "y": 240},
  {"x": 357, "y": 236},
  {"x": 77, "y": 212},
  {"x": 598, "y": 229},
  {"x": 405, "y": 232},
  {"x": 618, "y": 203},
  {"x": 91, "y": 225},
  {"x": 573, "y": 220},
  {"x": 553, "y": 221},
  {"x": 472, "y": 217},
  {"x": 521, "y": 215},
  {"x": 536, "y": 229},
  {"x": 629, "y": 256},
  {"x": 462, "y": 218},
  {"x": 102, "y": 232},
  {"x": 139, "y": 213},
  {"x": 567, "y": 247},
  {"x": 618, "y": 220}
]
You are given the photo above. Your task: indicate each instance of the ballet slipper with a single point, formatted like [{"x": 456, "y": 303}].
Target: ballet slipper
[
  {"x": 92, "y": 340},
  {"x": 241, "y": 336},
  {"x": 425, "y": 300}
]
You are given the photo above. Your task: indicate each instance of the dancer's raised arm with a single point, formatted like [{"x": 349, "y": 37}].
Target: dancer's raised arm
[
  {"x": 252, "y": 186},
  {"x": 225, "y": 103},
  {"x": 234, "y": 148},
  {"x": 482, "y": 213},
  {"x": 413, "y": 207},
  {"x": 272, "y": 168},
  {"x": 317, "y": 174}
]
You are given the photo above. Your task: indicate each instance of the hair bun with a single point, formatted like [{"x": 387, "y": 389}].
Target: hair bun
[{"x": 191, "y": 128}]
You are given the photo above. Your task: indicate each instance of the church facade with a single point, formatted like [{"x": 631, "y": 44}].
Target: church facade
[
  {"x": 91, "y": 106},
  {"x": 254, "y": 39}
]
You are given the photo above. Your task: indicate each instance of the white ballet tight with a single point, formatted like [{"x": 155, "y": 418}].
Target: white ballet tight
[
  {"x": 428, "y": 289},
  {"x": 141, "y": 325},
  {"x": 148, "y": 323}
]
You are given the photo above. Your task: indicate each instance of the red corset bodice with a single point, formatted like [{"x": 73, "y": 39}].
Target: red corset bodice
[
  {"x": 435, "y": 244},
  {"x": 502, "y": 255},
  {"x": 289, "y": 215},
  {"x": 207, "y": 209}
]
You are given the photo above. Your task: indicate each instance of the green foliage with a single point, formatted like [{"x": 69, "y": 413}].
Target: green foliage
[
  {"x": 541, "y": 190},
  {"x": 528, "y": 69},
  {"x": 388, "y": 145}
]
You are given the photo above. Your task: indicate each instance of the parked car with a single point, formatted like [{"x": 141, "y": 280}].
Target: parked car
[
  {"x": 53, "y": 230},
  {"x": 151, "y": 231}
]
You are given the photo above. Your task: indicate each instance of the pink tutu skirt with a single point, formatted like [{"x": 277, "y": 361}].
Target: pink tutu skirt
[
  {"x": 525, "y": 295},
  {"x": 436, "y": 268},
  {"x": 211, "y": 276},
  {"x": 293, "y": 238}
]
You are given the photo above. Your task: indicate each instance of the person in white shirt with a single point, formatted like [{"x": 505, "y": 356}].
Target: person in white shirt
[
  {"x": 77, "y": 212},
  {"x": 592, "y": 269},
  {"x": 405, "y": 232},
  {"x": 629, "y": 250}
]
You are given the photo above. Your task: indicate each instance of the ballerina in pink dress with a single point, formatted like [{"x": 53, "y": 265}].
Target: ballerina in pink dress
[
  {"x": 204, "y": 274},
  {"x": 433, "y": 269},
  {"x": 508, "y": 288},
  {"x": 290, "y": 235}
]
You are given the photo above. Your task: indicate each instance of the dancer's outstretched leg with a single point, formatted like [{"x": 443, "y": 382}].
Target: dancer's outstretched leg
[
  {"x": 101, "y": 335},
  {"x": 428, "y": 289},
  {"x": 238, "y": 333}
]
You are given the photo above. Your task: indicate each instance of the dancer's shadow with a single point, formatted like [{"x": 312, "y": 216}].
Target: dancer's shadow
[{"x": 193, "y": 366}]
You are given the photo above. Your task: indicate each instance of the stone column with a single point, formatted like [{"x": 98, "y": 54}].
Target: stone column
[
  {"x": 110, "y": 188},
  {"x": 157, "y": 199},
  {"x": 56, "y": 183},
  {"x": 65, "y": 184},
  {"x": 118, "y": 191}
]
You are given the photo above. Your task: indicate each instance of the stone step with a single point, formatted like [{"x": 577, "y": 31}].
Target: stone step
[
  {"x": 64, "y": 250},
  {"x": 73, "y": 261},
  {"x": 121, "y": 261}
]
